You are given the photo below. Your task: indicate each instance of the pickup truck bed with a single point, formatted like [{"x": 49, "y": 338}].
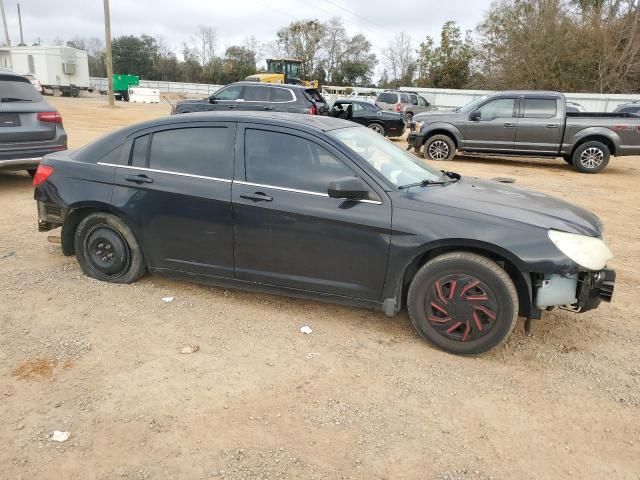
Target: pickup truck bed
[{"x": 528, "y": 124}]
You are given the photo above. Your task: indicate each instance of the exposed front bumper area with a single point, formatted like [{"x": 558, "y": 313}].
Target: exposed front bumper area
[{"x": 578, "y": 293}]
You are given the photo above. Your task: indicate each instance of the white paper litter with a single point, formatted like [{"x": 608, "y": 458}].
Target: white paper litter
[
  {"x": 306, "y": 330},
  {"x": 187, "y": 349},
  {"x": 167, "y": 299},
  {"x": 59, "y": 436},
  {"x": 311, "y": 355}
]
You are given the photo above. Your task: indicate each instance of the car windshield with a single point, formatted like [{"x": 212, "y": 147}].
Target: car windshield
[
  {"x": 12, "y": 91},
  {"x": 471, "y": 105},
  {"x": 394, "y": 163}
]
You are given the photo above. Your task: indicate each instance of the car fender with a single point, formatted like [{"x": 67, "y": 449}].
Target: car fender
[
  {"x": 569, "y": 144},
  {"x": 431, "y": 129}
]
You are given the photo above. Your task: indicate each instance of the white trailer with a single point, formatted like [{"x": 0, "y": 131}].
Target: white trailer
[{"x": 57, "y": 68}]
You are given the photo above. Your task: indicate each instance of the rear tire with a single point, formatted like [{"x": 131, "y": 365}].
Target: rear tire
[
  {"x": 378, "y": 128},
  {"x": 591, "y": 157},
  {"x": 107, "y": 250},
  {"x": 463, "y": 303},
  {"x": 439, "y": 147}
]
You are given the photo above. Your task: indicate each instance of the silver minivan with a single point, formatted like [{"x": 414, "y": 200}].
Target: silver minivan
[{"x": 407, "y": 103}]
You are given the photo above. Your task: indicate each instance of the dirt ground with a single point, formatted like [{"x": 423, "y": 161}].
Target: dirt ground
[{"x": 362, "y": 397}]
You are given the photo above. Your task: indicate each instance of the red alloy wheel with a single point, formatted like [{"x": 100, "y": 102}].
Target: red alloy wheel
[{"x": 461, "y": 307}]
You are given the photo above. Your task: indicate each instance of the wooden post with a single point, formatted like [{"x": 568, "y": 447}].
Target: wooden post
[{"x": 109, "y": 60}]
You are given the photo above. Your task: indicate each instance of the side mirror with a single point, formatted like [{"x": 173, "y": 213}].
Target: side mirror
[
  {"x": 212, "y": 98},
  {"x": 475, "y": 116},
  {"x": 349, "y": 188}
]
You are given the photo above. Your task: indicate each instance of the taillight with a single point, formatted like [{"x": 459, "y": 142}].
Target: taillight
[
  {"x": 313, "y": 110},
  {"x": 42, "y": 173},
  {"x": 398, "y": 107},
  {"x": 51, "y": 117}
]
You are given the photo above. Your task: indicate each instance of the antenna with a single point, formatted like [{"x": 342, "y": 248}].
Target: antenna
[{"x": 4, "y": 22}]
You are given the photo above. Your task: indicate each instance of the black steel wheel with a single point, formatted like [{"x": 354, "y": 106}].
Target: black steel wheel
[
  {"x": 463, "y": 303},
  {"x": 107, "y": 250}
]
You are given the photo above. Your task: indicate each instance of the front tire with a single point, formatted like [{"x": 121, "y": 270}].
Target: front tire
[
  {"x": 439, "y": 147},
  {"x": 463, "y": 303},
  {"x": 107, "y": 250},
  {"x": 591, "y": 157}
]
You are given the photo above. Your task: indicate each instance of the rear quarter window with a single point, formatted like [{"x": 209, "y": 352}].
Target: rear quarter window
[
  {"x": 315, "y": 95},
  {"x": 204, "y": 151}
]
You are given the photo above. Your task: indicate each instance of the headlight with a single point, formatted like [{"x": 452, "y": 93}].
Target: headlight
[{"x": 588, "y": 252}]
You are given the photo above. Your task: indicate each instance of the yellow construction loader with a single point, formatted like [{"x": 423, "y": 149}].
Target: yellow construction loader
[{"x": 283, "y": 70}]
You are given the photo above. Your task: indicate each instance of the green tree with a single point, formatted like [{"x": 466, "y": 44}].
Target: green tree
[
  {"x": 449, "y": 64},
  {"x": 239, "y": 62},
  {"x": 302, "y": 40}
]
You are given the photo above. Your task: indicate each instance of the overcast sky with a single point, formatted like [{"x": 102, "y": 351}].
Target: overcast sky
[{"x": 177, "y": 20}]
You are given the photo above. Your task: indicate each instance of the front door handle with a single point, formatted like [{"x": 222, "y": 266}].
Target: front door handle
[
  {"x": 257, "y": 197},
  {"x": 553, "y": 125},
  {"x": 267, "y": 107},
  {"x": 509, "y": 125},
  {"x": 231, "y": 106},
  {"x": 139, "y": 179}
]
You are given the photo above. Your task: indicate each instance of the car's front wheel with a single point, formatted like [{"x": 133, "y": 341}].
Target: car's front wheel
[
  {"x": 591, "y": 157},
  {"x": 439, "y": 147},
  {"x": 463, "y": 303},
  {"x": 107, "y": 250}
]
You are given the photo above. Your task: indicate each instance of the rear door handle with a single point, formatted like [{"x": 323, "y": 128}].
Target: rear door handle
[
  {"x": 257, "y": 197},
  {"x": 509, "y": 125},
  {"x": 138, "y": 179},
  {"x": 267, "y": 107},
  {"x": 553, "y": 125},
  {"x": 231, "y": 106}
]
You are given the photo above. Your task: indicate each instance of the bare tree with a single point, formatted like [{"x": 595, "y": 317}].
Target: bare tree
[
  {"x": 204, "y": 44},
  {"x": 399, "y": 58}
]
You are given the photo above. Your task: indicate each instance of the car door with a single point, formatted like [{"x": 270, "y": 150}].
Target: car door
[
  {"x": 176, "y": 189},
  {"x": 495, "y": 130},
  {"x": 256, "y": 98},
  {"x": 228, "y": 98},
  {"x": 290, "y": 233},
  {"x": 539, "y": 125},
  {"x": 360, "y": 115}
]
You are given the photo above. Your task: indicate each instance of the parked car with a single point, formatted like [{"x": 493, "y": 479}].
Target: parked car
[
  {"x": 574, "y": 107},
  {"x": 247, "y": 95},
  {"x": 406, "y": 103},
  {"x": 34, "y": 81},
  {"x": 633, "y": 108},
  {"x": 529, "y": 124},
  {"x": 29, "y": 127},
  {"x": 320, "y": 207},
  {"x": 388, "y": 124}
]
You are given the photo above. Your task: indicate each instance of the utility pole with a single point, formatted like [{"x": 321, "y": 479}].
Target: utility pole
[
  {"x": 20, "y": 22},
  {"x": 4, "y": 22},
  {"x": 107, "y": 34}
]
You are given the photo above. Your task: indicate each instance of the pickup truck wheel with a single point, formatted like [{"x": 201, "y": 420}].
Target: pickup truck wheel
[
  {"x": 463, "y": 303},
  {"x": 439, "y": 147},
  {"x": 107, "y": 250},
  {"x": 591, "y": 157}
]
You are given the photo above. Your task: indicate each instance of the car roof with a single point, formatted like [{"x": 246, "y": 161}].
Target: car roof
[
  {"x": 312, "y": 122},
  {"x": 272, "y": 85}
]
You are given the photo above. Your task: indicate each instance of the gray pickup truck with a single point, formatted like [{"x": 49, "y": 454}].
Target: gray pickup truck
[{"x": 527, "y": 124}]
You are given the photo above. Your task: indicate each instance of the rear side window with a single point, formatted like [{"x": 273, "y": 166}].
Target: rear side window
[
  {"x": 257, "y": 94},
  {"x": 540, "y": 107},
  {"x": 281, "y": 95},
  {"x": 388, "y": 97},
  {"x": 206, "y": 151},
  {"x": 139, "y": 152},
  {"x": 18, "y": 91},
  {"x": 281, "y": 160}
]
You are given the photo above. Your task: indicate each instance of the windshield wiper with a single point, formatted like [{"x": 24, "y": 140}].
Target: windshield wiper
[
  {"x": 11, "y": 99},
  {"x": 426, "y": 183}
]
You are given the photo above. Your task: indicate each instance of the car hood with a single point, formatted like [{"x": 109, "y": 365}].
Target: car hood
[
  {"x": 436, "y": 116},
  {"x": 487, "y": 197}
]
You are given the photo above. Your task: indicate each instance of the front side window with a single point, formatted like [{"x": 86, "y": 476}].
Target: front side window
[
  {"x": 230, "y": 93},
  {"x": 394, "y": 163},
  {"x": 414, "y": 99},
  {"x": 205, "y": 151},
  {"x": 499, "y": 108},
  {"x": 282, "y": 160},
  {"x": 540, "y": 107}
]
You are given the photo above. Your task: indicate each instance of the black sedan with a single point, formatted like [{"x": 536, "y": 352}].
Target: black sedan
[
  {"x": 389, "y": 124},
  {"x": 319, "y": 207}
]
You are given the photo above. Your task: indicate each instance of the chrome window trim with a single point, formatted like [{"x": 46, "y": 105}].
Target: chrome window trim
[
  {"x": 295, "y": 190},
  {"x": 191, "y": 175}
]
